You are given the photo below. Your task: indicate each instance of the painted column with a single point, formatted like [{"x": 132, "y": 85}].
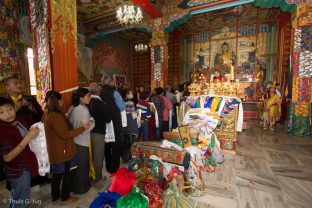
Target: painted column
[
  {"x": 55, "y": 61},
  {"x": 159, "y": 59},
  {"x": 301, "y": 59},
  {"x": 39, "y": 18},
  {"x": 63, "y": 20}
]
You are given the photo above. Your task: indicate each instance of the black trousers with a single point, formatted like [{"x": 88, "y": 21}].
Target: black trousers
[
  {"x": 113, "y": 149},
  {"x": 58, "y": 191},
  {"x": 127, "y": 141}
]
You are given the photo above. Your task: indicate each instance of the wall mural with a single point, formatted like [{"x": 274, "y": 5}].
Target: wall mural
[
  {"x": 85, "y": 72},
  {"x": 102, "y": 61}
]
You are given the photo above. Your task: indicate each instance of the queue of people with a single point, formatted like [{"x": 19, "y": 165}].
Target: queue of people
[{"x": 102, "y": 122}]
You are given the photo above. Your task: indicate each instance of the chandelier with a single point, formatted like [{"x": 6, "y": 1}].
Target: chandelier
[
  {"x": 140, "y": 48},
  {"x": 129, "y": 15}
]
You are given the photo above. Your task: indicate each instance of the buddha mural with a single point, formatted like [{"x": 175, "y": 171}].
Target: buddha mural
[{"x": 226, "y": 57}]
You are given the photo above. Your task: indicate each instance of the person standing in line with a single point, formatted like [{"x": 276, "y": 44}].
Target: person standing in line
[
  {"x": 160, "y": 105},
  {"x": 20, "y": 163},
  {"x": 145, "y": 114},
  {"x": 170, "y": 95},
  {"x": 166, "y": 112},
  {"x": 77, "y": 115},
  {"x": 110, "y": 95},
  {"x": 100, "y": 111},
  {"x": 61, "y": 148},
  {"x": 130, "y": 132},
  {"x": 141, "y": 90},
  {"x": 173, "y": 101},
  {"x": 179, "y": 94},
  {"x": 28, "y": 111}
]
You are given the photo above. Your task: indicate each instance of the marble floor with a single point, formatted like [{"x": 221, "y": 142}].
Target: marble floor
[{"x": 270, "y": 170}]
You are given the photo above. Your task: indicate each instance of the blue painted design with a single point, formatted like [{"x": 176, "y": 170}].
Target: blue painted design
[
  {"x": 186, "y": 4},
  {"x": 222, "y": 6},
  {"x": 101, "y": 36}
]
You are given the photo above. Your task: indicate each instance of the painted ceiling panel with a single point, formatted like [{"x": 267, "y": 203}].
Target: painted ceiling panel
[
  {"x": 215, "y": 20},
  {"x": 98, "y": 8}
]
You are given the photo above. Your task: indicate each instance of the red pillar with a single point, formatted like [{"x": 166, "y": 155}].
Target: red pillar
[{"x": 63, "y": 18}]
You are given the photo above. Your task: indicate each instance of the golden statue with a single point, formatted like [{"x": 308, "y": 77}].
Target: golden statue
[
  {"x": 226, "y": 56},
  {"x": 259, "y": 75},
  {"x": 195, "y": 76}
]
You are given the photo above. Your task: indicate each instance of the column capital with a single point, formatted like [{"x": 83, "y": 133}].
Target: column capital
[
  {"x": 302, "y": 16},
  {"x": 159, "y": 38}
]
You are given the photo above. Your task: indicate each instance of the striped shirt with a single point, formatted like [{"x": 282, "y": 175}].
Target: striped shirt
[{"x": 145, "y": 109}]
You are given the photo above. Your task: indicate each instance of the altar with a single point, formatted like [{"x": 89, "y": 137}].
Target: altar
[{"x": 213, "y": 108}]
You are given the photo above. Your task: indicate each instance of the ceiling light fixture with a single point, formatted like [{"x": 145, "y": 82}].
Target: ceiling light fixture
[
  {"x": 129, "y": 15},
  {"x": 140, "y": 48}
]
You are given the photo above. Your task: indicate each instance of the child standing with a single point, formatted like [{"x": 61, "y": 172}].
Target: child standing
[
  {"x": 20, "y": 163},
  {"x": 144, "y": 110}
]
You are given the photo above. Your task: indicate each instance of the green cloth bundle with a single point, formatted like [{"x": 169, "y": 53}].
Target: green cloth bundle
[{"x": 135, "y": 199}]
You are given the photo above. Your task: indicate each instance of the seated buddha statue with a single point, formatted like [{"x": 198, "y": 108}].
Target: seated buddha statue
[{"x": 226, "y": 56}]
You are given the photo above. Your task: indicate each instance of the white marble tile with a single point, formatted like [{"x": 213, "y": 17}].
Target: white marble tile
[
  {"x": 262, "y": 182},
  {"x": 296, "y": 192},
  {"x": 293, "y": 171},
  {"x": 250, "y": 198},
  {"x": 280, "y": 157},
  {"x": 224, "y": 173},
  {"x": 224, "y": 190},
  {"x": 209, "y": 200},
  {"x": 253, "y": 164}
]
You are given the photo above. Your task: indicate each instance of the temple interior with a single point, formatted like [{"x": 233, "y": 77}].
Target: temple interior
[{"x": 227, "y": 85}]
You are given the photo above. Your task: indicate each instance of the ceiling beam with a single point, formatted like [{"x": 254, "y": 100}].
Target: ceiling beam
[
  {"x": 220, "y": 6},
  {"x": 149, "y": 8}
]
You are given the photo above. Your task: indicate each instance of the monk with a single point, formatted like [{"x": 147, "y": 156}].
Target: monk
[{"x": 272, "y": 109}]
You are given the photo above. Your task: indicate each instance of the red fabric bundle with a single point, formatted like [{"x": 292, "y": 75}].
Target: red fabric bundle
[
  {"x": 153, "y": 191},
  {"x": 123, "y": 181}
]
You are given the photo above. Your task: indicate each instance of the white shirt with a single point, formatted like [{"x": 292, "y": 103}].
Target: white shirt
[{"x": 78, "y": 116}]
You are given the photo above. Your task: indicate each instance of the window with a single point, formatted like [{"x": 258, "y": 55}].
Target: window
[{"x": 31, "y": 72}]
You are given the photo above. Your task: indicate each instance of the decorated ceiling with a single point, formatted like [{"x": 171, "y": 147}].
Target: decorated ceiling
[
  {"x": 133, "y": 35},
  {"x": 99, "y": 15},
  {"x": 95, "y": 9},
  {"x": 231, "y": 17}
]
